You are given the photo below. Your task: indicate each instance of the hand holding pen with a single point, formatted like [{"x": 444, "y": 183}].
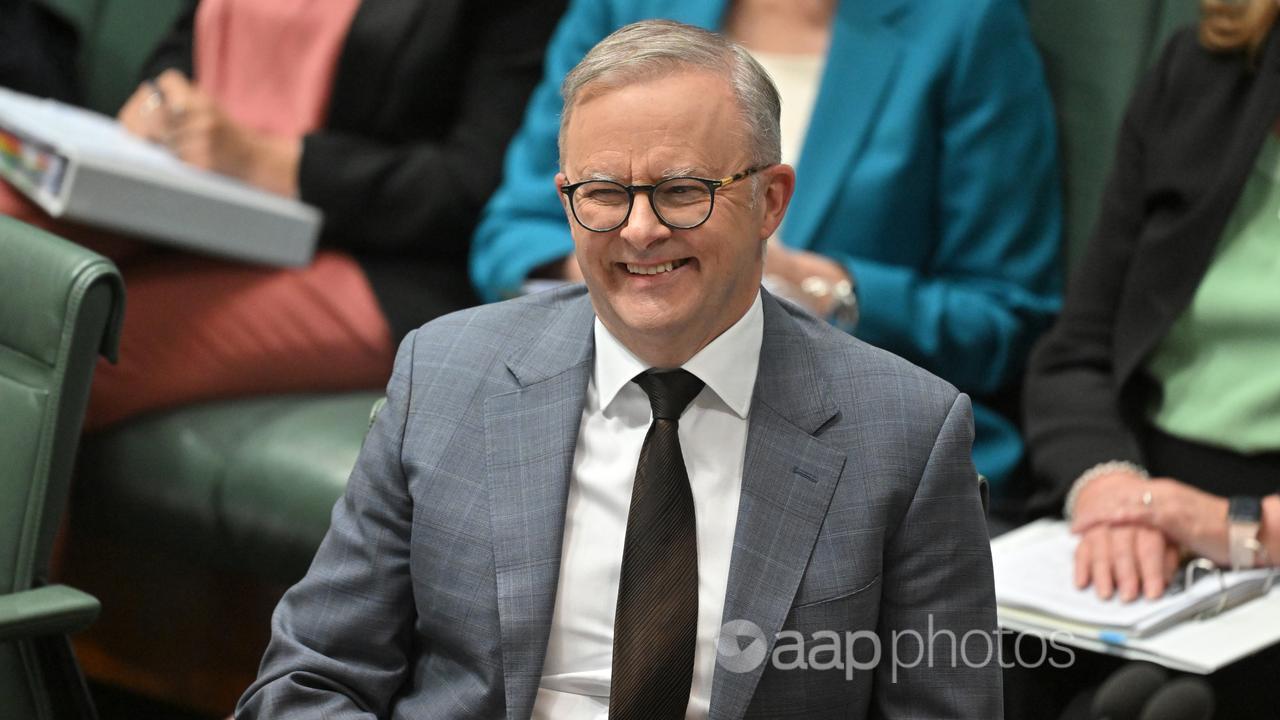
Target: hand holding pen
[{"x": 172, "y": 111}]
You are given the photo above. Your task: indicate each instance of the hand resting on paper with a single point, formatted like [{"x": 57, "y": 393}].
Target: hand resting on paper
[
  {"x": 1191, "y": 518},
  {"x": 1128, "y": 558},
  {"x": 175, "y": 113}
]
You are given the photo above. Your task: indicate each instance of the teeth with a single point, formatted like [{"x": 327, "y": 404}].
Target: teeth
[{"x": 652, "y": 269}]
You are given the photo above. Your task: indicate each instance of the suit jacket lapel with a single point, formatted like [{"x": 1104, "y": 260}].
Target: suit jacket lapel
[
  {"x": 531, "y": 434},
  {"x": 863, "y": 58},
  {"x": 787, "y": 483}
]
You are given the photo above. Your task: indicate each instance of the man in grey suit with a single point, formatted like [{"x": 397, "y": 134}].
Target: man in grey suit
[{"x": 583, "y": 502}]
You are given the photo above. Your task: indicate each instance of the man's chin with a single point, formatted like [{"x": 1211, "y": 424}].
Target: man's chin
[
  {"x": 650, "y": 315},
  {"x": 651, "y": 321}
]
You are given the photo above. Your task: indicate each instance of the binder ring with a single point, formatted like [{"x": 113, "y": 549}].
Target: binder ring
[{"x": 1207, "y": 566}]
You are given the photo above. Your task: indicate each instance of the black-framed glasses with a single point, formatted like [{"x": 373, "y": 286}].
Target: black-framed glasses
[{"x": 681, "y": 202}]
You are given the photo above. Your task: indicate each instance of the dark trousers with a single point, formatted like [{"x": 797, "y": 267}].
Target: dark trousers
[{"x": 1245, "y": 690}]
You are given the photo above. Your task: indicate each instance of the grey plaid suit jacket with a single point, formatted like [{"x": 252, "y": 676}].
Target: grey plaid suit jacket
[{"x": 432, "y": 594}]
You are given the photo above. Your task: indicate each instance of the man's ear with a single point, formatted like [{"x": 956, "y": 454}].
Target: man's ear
[
  {"x": 561, "y": 181},
  {"x": 779, "y": 184}
]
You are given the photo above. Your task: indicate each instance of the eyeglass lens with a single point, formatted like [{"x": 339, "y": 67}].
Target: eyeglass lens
[{"x": 603, "y": 204}]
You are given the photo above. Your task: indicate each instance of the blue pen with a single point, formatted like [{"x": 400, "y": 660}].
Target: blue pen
[{"x": 1113, "y": 637}]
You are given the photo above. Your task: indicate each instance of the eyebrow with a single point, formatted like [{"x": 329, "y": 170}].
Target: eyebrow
[
  {"x": 680, "y": 172},
  {"x": 592, "y": 174}
]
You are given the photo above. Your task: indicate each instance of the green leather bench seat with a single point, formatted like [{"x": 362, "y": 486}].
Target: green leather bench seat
[
  {"x": 59, "y": 308},
  {"x": 247, "y": 484}
]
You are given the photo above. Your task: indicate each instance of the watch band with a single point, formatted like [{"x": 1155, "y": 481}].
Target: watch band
[{"x": 1244, "y": 520}]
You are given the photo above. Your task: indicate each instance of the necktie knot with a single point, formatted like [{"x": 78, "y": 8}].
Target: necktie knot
[{"x": 669, "y": 392}]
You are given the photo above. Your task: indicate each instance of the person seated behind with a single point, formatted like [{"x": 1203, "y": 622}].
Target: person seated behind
[
  {"x": 390, "y": 117},
  {"x": 924, "y": 142},
  {"x": 519, "y": 539},
  {"x": 1163, "y": 361},
  {"x": 1158, "y": 365}
]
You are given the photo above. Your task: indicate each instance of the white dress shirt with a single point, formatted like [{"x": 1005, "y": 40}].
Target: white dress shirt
[{"x": 615, "y": 420}]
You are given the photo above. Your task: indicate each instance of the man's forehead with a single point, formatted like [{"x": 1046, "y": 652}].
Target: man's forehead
[
  {"x": 626, "y": 172},
  {"x": 687, "y": 101},
  {"x": 683, "y": 123}
]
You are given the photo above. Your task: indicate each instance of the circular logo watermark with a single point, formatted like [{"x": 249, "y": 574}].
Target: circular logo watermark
[{"x": 742, "y": 647}]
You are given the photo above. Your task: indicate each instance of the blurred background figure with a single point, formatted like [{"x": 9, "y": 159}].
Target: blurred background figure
[
  {"x": 923, "y": 138},
  {"x": 1164, "y": 361},
  {"x": 37, "y": 51},
  {"x": 391, "y": 117}
]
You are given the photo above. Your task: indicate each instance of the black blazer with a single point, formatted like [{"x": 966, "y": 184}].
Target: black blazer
[
  {"x": 426, "y": 95},
  {"x": 38, "y": 50},
  {"x": 1190, "y": 137}
]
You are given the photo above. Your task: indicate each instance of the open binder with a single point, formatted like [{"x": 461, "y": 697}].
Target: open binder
[
  {"x": 1208, "y": 619},
  {"x": 83, "y": 166}
]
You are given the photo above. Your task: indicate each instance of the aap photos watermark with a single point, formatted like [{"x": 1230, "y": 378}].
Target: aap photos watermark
[{"x": 743, "y": 647}]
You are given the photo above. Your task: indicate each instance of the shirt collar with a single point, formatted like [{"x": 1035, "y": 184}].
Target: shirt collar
[{"x": 728, "y": 364}]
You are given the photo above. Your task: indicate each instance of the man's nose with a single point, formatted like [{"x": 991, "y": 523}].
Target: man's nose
[{"x": 643, "y": 228}]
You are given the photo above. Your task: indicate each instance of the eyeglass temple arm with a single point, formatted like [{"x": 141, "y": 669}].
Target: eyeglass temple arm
[{"x": 738, "y": 176}]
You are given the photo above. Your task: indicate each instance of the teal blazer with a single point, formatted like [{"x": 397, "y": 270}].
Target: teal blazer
[{"x": 929, "y": 170}]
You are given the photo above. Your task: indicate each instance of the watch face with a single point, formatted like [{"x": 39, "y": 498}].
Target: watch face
[{"x": 1243, "y": 508}]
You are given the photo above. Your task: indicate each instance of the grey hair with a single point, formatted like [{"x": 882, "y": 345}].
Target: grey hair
[{"x": 652, "y": 49}]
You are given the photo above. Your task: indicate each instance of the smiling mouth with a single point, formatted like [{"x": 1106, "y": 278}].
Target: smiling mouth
[{"x": 655, "y": 269}]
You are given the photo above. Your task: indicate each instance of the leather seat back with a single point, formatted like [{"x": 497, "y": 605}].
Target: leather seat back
[{"x": 60, "y": 306}]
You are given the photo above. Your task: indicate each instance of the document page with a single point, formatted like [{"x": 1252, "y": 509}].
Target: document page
[{"x": 1037, "y": 574}]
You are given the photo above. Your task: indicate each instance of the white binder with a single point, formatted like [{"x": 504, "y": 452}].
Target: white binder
[{"x": 83, "y": 166}]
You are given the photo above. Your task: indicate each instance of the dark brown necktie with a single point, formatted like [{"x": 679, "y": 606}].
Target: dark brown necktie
[{"x": 657, "y": 620}]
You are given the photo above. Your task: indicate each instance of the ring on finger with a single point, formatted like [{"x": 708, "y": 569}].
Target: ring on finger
[{"x": 152, "y": 102}]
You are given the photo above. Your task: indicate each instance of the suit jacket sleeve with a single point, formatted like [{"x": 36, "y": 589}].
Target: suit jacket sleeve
[
  {"x": 524, "y": 225},
  {"x": 1073, "y": 417},
  {"x": 400, "y": 195},
  {"x": 938, "y": 584},
  {"x": 341, "y": 638},
  {"x": 992, "y": 284}
]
